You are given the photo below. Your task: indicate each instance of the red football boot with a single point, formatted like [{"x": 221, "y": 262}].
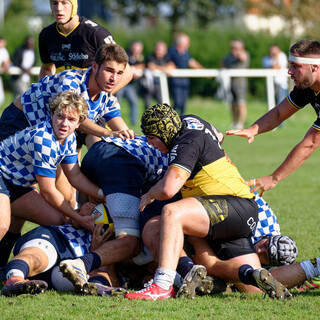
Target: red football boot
[{"x": 151, "y": 292}]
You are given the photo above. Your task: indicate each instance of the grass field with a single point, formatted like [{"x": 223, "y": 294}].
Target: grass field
[{"x": 294, "y": 201}]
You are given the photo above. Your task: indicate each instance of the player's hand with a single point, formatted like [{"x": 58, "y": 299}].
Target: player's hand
[
  {"x": 86, "y": 222},
  {"x": 263, "y": 184},
  {"x": 124, "y": 134},
  {"x": 246, "y": 133},
  {"x": 87, "y": 208},
  {"x": 99, "y": 237},
  {"x": 146, "y": 199}
]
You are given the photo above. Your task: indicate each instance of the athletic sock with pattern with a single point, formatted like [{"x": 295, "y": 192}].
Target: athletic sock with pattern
[
  {"x": 164, "y": 278},
  {"x": 91, "y": 261},
  {"x": 185, "y": 264},
  {"x": 245, "y": 275},
  {"x": 311, "y": 267},
  {"x": 6, "y": 245},
  {"x": 17, "y": 268}
]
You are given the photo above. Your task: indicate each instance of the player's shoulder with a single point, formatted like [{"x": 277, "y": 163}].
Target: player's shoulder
[
  {"x": 193, "y": 124},
  {"x": 48, "y": 29},
  {"x": 92, "y": 26}
]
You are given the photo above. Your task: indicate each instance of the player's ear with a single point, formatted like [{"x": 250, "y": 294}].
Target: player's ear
[{"x": 95, "y": 66}]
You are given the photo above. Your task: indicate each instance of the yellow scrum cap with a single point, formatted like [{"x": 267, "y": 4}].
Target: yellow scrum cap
[
  {"x": 74, "y": 7},
  {"x": 161, "y": 121}
]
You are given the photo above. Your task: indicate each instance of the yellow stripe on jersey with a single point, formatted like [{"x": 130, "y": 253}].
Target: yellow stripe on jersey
[
  {"x": 292, "y": 104},
  {"x": 220, "y": 177}
]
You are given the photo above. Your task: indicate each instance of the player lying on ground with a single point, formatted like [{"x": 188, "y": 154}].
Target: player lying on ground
[{"x": 35, "y": 265}]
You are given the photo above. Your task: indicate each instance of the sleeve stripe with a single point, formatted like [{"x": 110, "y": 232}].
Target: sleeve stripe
[
  {"x": 317, "y": 127},
  {"x": 180, "y": 166},
  {"x": 292, "y": 103}
]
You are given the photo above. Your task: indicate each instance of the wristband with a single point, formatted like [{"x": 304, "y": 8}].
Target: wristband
[{"x": 100, "y": 193}]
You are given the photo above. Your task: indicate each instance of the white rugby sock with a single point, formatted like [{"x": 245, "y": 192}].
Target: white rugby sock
[
  {"x": 311, "y": 267},
  {"x": 164, "y": 278}
]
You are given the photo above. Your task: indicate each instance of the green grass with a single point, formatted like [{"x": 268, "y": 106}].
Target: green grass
[{"x": 294, "y": 201}]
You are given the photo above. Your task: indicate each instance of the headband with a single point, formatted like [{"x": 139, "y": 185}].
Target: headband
[{"x": 303, "y": 60}]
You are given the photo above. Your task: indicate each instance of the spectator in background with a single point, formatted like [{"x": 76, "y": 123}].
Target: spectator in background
[
  {"x": 179, "y": 54},
  {"x": 25, "y": 58},
  {"x": 158, "y": 60},
  {"x": 4, "y": 65},
  {"x": 238, "y": 58},
  {"x": 130, "y": 91},
  {"x": 277, "y": 59}
]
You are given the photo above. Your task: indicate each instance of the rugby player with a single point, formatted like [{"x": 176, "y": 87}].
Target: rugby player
[
  {"x": 71, "y": 42},
  {"x": 32, "y": 156},
  {"x": 216, "y": 202}
]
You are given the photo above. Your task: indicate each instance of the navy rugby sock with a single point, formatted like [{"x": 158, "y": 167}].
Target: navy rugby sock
[
  {"x": 185, "y": 264},
  {"x": 91, "y": 261},
  {"x": 245, "y": 275},
  {"x": 17, "y": 268},
  {"x": 6, "y": 245}
]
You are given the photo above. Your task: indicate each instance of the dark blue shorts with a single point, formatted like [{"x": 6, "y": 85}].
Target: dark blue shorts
[
  {"x": 113, "y": 169},
  {"x": 11, "y": 190},
  {"x": 12, "y": 120},
  {"x": 51, "y": 235}
]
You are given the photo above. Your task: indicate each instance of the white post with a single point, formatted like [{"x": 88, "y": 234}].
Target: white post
[
  {"x": 1, "y": 13},
  {"x": 270, "y": 92},
  {"x": 164, "y": 86}
]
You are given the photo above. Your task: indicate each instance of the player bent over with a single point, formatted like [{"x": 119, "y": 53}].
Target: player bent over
[
  {"x": 216, "y": 201},
  {"x": 122, "y": 169},
  {"x": 32, "y": 156}
]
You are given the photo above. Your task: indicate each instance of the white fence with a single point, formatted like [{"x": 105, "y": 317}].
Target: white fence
[{"x": 268, "y": 74}]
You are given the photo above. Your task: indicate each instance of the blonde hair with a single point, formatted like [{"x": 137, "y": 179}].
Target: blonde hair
[{"x": 70, "y": 101}]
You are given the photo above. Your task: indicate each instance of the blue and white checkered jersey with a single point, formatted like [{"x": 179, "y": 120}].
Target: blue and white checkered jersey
[
  {"x": 35, "y": 100},
  {"x": 268, "y": 224},
  {"x": 34, "y": 151},
  {"x": 79, "y": 240},
  {"x": 155, "y": 162}
]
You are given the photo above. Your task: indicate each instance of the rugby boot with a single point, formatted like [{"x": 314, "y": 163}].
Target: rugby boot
[
  {"x": 98, "y": 289},
  {"x": 75, "y": 272},
  {"x": 194, "y": 280},
  {"x": 269, "y": 285},
  {"x": 151, "y": 292},
  {"x": 16, "y": 286}
]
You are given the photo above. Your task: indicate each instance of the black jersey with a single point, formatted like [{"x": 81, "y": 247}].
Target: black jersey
[
  {"x": 299, "y": 98},
  {"x": 197, "y": 150},
  {"x": 77, "y": 49}
]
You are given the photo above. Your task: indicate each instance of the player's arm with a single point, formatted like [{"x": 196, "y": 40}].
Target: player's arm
[
  {"x": 125, "y": 79},
  {"x": 167, "y": 187},
  {"x": 47, "y": 69},
  {"x": 79, "y": 181},
  {"x": 266, "y": 123},
  {"x": 55, "y": 198},
  {"x": 89, "y": 127},
  {"x": 299, "y": 154},
  {"x": 117, "y": 124}
]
